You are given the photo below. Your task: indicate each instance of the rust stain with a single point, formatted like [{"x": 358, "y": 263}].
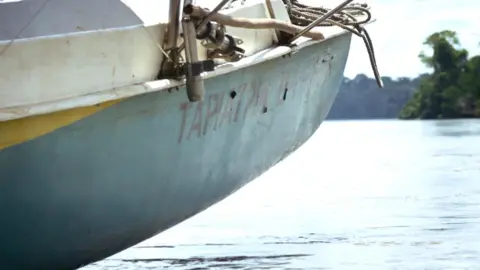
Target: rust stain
[{"x": 249, "y": 100}]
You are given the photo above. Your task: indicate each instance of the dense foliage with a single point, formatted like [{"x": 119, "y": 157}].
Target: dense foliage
[{"x": 452, "y": 90}]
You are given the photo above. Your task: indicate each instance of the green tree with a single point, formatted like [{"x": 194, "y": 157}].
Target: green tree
[{"x": 452, "y": 90}]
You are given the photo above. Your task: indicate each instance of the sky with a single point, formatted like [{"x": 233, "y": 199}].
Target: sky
[{"x": 403, "y": 25}]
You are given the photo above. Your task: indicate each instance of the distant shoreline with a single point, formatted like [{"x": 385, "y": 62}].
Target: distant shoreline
[{"x": 361, "y": 99}]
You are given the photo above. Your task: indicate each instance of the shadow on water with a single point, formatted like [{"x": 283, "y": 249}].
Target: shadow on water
[
  {"x": 223, "y": 262},
  {"x": 456, "y": 128},
  {"x": 216, "y": 259}
]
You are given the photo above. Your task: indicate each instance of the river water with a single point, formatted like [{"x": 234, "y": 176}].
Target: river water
[{"x": 358, "y": 195}]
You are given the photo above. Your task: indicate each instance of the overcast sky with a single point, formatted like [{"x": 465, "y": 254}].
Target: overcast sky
[{"x": 403, "y": 25}]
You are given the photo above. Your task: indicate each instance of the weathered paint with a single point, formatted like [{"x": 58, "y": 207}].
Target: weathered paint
[
  {"x": 99, "y": 185},
  {"x": 240, "y": 102}
]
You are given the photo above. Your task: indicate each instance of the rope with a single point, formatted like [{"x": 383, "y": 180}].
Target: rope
[
  {"x": 201, "y": 13},
  {"x": 349, "y": 18}
]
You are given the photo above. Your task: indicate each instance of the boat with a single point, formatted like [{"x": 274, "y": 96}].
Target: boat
[{"x": 120, "y": 119}]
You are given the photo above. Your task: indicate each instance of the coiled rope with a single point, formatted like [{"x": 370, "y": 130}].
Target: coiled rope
[{"x": 349, "y": 18}]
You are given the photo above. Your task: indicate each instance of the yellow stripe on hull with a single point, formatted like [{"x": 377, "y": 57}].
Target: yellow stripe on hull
[{"x": 17, "y": 131}]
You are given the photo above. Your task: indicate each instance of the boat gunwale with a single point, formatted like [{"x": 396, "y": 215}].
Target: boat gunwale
[
  {"x": 6, "y": 42},
  {"x": 128, "y": 91}
]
